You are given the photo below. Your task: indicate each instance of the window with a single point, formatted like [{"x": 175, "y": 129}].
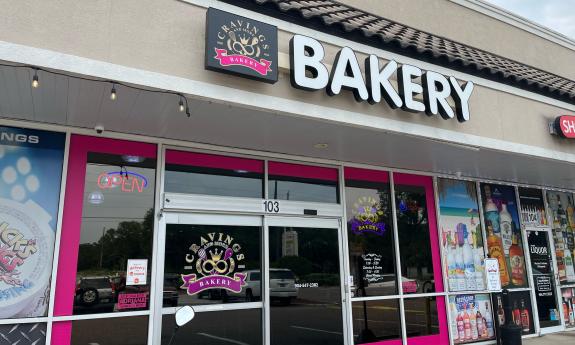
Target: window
[
  {"x": 370, "y": 232},
  {"x": 116, "y": 234},
  {"x": 472, "y": 318},
  {"x": 375, "y": 321},
  {"x": 111, "y": 331},
  {"x": 199, "y": 173},
  {"x": 30, "y": 175},
  {"x": 562, "y": 221},
  {"x": 298, "y": 182},
  {"x": 421, "y": 317}
]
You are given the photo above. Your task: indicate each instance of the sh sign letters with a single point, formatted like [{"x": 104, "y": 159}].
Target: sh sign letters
[
  {"x": 564, "y": 126},
  {"x": 241, "y": 46},
  {"x": 309, "y": 73}
]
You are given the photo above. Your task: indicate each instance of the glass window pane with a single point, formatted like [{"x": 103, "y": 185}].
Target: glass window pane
[
  {"x": 24, "y": 333},
  {"x": 461, "y": 236},
  {"x": 117, "y": 227},
  {"x": 376, "y": 321},
  {"x": 298, "y": 182},
  {"x": 199, "y": 173},
  {"x": 30, "y": 175},
  {"x": 208, "y": 264},
  {"x": 563, "y": 222},
  {"x": 131, "y": 330},
  {"x": 370, "y": 232},
  {"x": 421, "y": 316},
  {"x": 504, "y": 239},
  {"x": 568, "y": 297},
  {"x": 216, "y": 328},
  {"x": 472, "y": 318},
  {"x": 414, "y": 239},
  {"x": 305, "y": 286},
  {"x": 521, "y": 311}
]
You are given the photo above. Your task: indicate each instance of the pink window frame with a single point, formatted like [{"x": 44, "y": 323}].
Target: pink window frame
[{"x": 80, "y": 146}]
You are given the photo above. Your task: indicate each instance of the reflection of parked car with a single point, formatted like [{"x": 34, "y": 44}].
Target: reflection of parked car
[
  {"x": 387, "y": 286},
  {"x": 282, "y": 285},
  {"x": 93, "y": 290}
]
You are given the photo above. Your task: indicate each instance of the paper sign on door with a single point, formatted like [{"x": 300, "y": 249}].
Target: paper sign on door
[
  {"x": 492, "y": 276},
  {"x": 137, "y": 272}
]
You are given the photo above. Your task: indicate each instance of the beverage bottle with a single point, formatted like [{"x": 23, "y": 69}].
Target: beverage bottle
[
  {"x": 460, "y": 271},
  {"x": 571, "y": 314},
  {"x": 489, "y": 321},
  {"x": 500, "y": 312},
  {"x": 496, "y": 251},
  {"x": 561, "y": 213},
  {"x": 561, "y": 269},
  {"x": 454, "y": 323},
  {"x": 517, "y": 263},
  {"x": 452, "y": 267},
  {"x": 565, "y": 310},
  {"x": 505, "y": 224},
  {"x": 469, "y": 263},
  {"x": 491, "y": 213},
  {"x": 473, "y": 322},
  {"x": 568, "y": 262},
  {"x": 460, "y": 326},
  {"x": 466, "y": 323},
  {"x": 525, "y": 317},
  {"x": 480, "y": 324},
  {"x": 517, "y": 314}
]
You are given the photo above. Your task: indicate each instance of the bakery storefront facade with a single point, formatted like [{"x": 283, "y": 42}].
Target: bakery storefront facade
[{"x": 298, "y": 172}]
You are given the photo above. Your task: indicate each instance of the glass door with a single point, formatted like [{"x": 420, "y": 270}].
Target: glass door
[
  {"x": 304, "y": 282},
  {"x": 213, "y": 263}
]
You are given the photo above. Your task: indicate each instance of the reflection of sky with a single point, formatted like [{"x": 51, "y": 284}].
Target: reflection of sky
[
  {"x": 33, "y": 172},
  {"x": 117, "y": 206},
  {"x": 456, "y": 196}
]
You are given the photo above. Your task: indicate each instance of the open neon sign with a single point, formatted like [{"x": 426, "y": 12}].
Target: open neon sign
[{"x": 128, "y": 181}]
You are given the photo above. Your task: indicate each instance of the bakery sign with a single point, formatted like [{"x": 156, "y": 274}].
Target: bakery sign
[
  {"x": 241, "y": 46},
  {"x": 564, "y": 126}
]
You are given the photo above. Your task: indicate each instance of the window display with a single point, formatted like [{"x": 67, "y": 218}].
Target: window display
[
  {"x": 30, "y": 175},
  {"x": 370, "y": 232},
  {"x": 504, "y": 240},
  {"x": 568, "y": 295},
  {"x": 563, "y": 216},
  {"x": 521, "y": 311},
  {"x": 461, "y": 236},
  {"x": 471, "y": 318}
]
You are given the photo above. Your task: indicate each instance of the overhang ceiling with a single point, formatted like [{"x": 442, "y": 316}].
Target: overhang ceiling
[{"x": 68, "y": 101}]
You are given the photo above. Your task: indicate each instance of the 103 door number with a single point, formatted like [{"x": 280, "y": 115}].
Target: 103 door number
[{"x": 271, "y": 206}]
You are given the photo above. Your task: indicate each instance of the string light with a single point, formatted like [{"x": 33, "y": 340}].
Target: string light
[
  {"x": 113, "y": 95},
  {"x": 35, "y": 80}
]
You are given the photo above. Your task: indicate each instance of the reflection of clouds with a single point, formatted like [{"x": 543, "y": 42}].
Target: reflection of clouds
[
  {"x": 9, "y": 175},
  {"x": 18, "y": 193},
  {"x": 23, "y": 165}
]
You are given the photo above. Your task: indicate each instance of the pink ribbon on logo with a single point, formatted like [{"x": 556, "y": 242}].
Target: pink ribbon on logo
[
  {"x": 215, "y": 281},
  {"x": 262, "y": 67}
]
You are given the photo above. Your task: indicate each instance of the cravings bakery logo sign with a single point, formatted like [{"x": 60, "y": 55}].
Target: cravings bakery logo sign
[
  {"x": 241, "y": 46},
  {"x": 367, "y": 217},
  {"x": 215, "y": 261}
]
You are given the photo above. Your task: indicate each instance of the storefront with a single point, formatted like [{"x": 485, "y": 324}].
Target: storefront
[{"x": 281, "y": 215}]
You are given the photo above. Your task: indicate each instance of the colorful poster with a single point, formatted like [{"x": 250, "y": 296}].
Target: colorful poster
[
  {"x": 30, "y": 175},
  {"x": 503, "y": 229},
  {"x": 532, "y": 207},
  {"x": 562, "y": 220},
  {"x": 568, "y": 295},
  {"x": 461, "y": 236},
  {"x": 471, "y": 318},
  {"x": 521, "y": 311}
]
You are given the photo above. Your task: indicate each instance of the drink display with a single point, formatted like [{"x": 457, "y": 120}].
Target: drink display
[
  {"x": 563, "y": 234},
  {"x": 568, "y": 297},
  {"x": 472, "y": 318},
  {"x": 462, "y": 239},
  {"x": 521, "y": 314},
  {"x": 504, "y": 241},
  {"x": 524, "y": 317}
]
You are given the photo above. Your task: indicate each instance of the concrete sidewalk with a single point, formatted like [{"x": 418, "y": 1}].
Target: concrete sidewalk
[{"x": 564, "y": 338}]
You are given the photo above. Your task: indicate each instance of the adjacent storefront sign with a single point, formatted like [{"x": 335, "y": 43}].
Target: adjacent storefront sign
[
  {"x": 241, "y": 46},
  {"x": 137, "y": 272},
  {"x": 30, "y": 175},
  {"x": 565, "y": 126},
  {"x": 308, "y": 72}
]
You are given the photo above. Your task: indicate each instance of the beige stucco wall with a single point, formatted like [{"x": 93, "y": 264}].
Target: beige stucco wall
[
  {"x": 448, "y": 19},
  {"x": 167, "y": 36}
]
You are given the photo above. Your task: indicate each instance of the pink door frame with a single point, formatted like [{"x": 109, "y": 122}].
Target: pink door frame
[{"x": 80, "y": 146}]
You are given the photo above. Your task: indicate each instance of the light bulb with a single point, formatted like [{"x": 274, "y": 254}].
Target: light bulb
[
  {"x": 113, "y": 93},
  {"x": 35, "y": 81},
  {"x": 182, "y": 108}
]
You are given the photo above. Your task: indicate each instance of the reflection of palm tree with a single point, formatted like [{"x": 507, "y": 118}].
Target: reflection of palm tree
[{"x": 445, "y": 184}]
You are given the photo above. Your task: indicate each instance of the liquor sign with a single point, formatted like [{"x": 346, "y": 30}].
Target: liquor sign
[
  {"x": 241, "y": 46},
  {"x": 565, "y": 126}
]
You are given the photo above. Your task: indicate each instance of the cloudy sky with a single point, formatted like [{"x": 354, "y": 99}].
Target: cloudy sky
[{"x": 558, "y": 15}]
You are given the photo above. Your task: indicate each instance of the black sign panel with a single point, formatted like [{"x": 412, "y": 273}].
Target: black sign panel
[{"x": 241, "y": 46}]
